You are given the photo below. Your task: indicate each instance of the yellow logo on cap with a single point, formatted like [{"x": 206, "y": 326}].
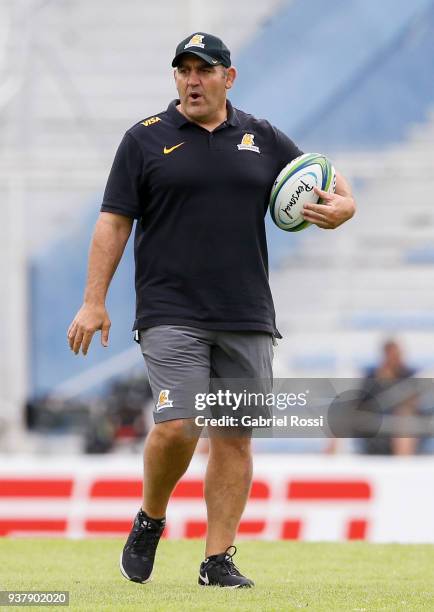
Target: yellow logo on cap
[
  {"x": 248, "y": 144},
  {"x": 195, "y": 41}
]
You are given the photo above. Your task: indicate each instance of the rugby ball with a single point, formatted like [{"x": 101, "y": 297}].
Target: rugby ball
[{"x": 293, "y": 188}]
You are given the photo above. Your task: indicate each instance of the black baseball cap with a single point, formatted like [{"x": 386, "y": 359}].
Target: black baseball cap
[{"x": 206, "y": 46}]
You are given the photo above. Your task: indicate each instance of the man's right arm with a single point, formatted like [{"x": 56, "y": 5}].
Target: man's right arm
[{"x": 108, "y": 243}]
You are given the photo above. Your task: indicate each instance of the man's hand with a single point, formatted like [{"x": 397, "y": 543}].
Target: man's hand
[
  {"x": 87, "y": 321},
  {"x": 108, "y": 242},
  {"x": 334, "y": 210}
]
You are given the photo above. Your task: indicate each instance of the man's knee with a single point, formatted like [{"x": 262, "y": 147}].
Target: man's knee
[{"x": 176, "y": 432}]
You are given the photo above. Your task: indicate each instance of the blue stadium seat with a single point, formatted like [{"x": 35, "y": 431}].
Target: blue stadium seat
[{"x": 359, "y": 44}]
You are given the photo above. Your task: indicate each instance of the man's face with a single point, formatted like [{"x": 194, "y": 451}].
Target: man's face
[
  {"x": 392, "y": 355},
  {"x": 202, "y": 88}
]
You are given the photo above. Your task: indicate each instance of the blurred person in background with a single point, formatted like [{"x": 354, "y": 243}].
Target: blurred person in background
[
  {"x": 380, "y": 378},
  {"x": 197, "y": 178}
]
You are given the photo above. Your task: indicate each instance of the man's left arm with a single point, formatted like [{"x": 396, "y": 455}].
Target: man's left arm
[{"x": 335, "y": 209}]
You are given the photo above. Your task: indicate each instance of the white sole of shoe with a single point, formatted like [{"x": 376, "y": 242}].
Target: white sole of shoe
[
  {"x": 125, "y": 575},
  {"x": 235, "y": 586}
]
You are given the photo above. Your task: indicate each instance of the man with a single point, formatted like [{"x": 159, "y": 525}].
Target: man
[
  {"x": 379, "y": 391},
  {"x": 197, "y": 178}
]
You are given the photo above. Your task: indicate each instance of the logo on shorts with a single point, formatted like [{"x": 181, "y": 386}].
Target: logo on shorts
[
  {"x": 248, "y": 144},
  {"x": 195, "y": 41},
  {"x": 163, "y": 400}
]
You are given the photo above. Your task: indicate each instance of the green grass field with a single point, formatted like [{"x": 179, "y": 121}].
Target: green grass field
[{"x": 288, "y": 576}]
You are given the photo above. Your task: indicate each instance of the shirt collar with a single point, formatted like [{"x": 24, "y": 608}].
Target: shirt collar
[
  {"x": 233, "y": 118},
  {"x": 180, "y": 120}
]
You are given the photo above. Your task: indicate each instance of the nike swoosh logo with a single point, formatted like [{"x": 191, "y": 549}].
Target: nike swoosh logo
[
  {"x": 205, "y": 578},
  {"x": 166, "y": 150}
]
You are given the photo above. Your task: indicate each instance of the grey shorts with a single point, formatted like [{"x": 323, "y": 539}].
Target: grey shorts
[{"x": 184, "y": 361}]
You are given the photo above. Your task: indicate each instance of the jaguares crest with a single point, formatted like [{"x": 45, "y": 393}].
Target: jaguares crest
[
  {"x": 195, "y": 41},
  {"x": 248, "y": 144},
  {"x": 163, "y": 400}
]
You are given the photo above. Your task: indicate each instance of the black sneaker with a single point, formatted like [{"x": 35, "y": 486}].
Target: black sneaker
[
  {"x": 219, "y": 570},
  {"x": 137, "y": 557}
]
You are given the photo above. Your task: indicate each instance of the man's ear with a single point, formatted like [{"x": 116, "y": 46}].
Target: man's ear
[{"x": 231, "y": 76}]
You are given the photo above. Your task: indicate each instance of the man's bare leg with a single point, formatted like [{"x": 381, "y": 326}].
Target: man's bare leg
[
  {"x": 227, "y": 485},
  {"x": 168, "y": 451}
]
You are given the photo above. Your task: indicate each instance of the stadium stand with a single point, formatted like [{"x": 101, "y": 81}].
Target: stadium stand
[
  {"x": 336, "y": 293},
  {"x": 358, "y": 271},
  {"x": 73, "y": 76},
  {"x": 369, "y": 86}
]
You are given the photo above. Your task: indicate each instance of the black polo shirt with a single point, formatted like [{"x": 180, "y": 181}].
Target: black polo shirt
[{"x": 200, "y": 198}]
